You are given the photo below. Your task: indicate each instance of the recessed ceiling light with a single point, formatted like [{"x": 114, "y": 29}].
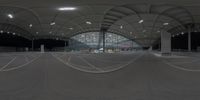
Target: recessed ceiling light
[
  {"x": 165, "y": 23},
  {"x": 31, "y": 25},
  {"x": 121, "y": 27},
  {"x": 71, "y": 28},
  {"x": 87, "y": 22},
  {"x": 10, "y": 16},
  {"x": 52, "y": 23},
  {"x": 141, "y": 21},
  {"x": 67, "y": 8}
]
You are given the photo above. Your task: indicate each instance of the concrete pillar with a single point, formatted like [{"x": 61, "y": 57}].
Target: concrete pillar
[
  {"x": 32, "y": 45},
  {"x": 42, "y": 48},
  {"x": 189, "y": 39},
  {"x": 165, "y": 43},
  {"x": 104, "y": 41}
]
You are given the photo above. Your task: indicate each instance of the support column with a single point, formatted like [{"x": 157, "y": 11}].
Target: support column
[
  {"x": 103, "y": 41},
  {"x": 42, "y": 48},
  {"x": 32, "y": 45},
  {"x": 189, "y": 39},
  {"x": 165, "y": 43}
]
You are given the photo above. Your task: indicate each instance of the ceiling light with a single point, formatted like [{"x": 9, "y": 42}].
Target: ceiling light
[
  {"x": 141, "y": 21},
  {"x": 121, "y": 27},
  {"x": 31, "y": 25},
  {"x": 165, "y": 23},
  {"x": 182, "y": 33},
  {"x": 71, "y": 28},
  {"x": 87, "y": 22},
  {"x": 1, "y": 31},
  {"x": 67, "y": 8},
  {"x": 14, "y": 33},
  {"x": 52, "y": 23},
  {"x": 10, "y": 16},
  {"x": 8, "y": 32}
]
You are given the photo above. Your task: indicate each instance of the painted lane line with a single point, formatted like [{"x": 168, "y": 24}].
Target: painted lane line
[
  {"x": 91, "y": 65},
  {"x": 8, "y": 63},
  {"x": 98, "y": 72},
  {"x": 18, "y": 67},
  {"x": 180, "y": 68}
]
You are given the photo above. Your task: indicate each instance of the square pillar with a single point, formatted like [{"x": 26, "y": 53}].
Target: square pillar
[{"x": 165, "y": 43}]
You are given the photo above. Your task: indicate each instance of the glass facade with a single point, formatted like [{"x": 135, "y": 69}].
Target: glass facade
[{"x": 94, "y": 40}]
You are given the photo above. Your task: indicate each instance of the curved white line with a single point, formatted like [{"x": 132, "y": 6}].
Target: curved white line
[
  {"x": 180, "y": 68},
  {"x": 8, "y": 63},
  {"x": 104, "y": 71},
  {"x": 18, "y": 67}
]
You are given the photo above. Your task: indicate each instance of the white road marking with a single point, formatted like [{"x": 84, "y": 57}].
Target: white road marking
[
  {"x": 180, "y": 68},
  {"x": 15, "y": 68},
  {"x": 103, "y": 71},
  {"x": 91, "y": 65},
  {"x": 8, "y": 63}
]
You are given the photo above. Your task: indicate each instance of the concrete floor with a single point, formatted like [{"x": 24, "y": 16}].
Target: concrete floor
[{"x": 67, "y": 76}]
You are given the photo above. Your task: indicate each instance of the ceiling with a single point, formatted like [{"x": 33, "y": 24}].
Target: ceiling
[{"x": 118, "y": 16}]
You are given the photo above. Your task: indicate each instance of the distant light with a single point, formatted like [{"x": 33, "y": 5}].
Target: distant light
[
  {"x": 67, "y": 8},
  {"x": 87, "y": 22},
  {"x": 144, "y": 31},
  {"x": 158, "y": 31},
  {"x": 173, "y": 35},
  {"x": 165, "y": 23},
  {"x": 182, "y": 33},
  {"x": 141, "y": 21},
  {"x": 71, "y": 28},
  {"x": 50, "y": 32},
  {"x": 8, "y": 32},
  {"x": 57, "y": 38},
  {"x": 37, "y": 32},
  {"x": 121, "y": 27},
  {"x": 52, "y": 23},
  {"x": 14, "y": 33},
  {"x": 10, "y": 16},
  {"x": 31, "y": 25},
  {"x": 1, "y": 31},
  {"x": 131, "y": 32}
]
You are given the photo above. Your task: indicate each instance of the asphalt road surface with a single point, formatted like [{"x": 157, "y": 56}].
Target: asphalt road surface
[{"x": 131, "y": 76}]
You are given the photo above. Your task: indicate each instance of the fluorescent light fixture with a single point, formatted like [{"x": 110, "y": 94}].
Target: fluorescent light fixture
[
  {"x": 71, "y": 28},
  {"x": 10, "y": 16},
  {"x": 52, "y": 23},
  {"x": 165, "y": 23},
  {"x": 121, "y": 27},
  {"x": 141, "y": 21},
  {"x": 67, "y": 8},
  {"x": 87, "y": 22},
  {"x": 31, "y": 25}
]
